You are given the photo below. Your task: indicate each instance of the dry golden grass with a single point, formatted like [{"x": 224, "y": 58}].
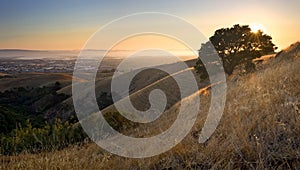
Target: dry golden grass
[
  {"x": 34, "y": 80},
  {"x": 260, "y": 129}
]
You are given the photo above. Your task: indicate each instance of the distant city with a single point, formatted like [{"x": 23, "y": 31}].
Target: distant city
[
  {"x": 18, "y": 61},
  {"x": 12, "y": 66}
]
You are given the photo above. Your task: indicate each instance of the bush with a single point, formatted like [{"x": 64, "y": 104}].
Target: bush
[{"x": 49, "y": 137}]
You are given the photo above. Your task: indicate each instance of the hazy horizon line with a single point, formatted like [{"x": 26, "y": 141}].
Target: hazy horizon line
[{"x": 42, "y": 50}]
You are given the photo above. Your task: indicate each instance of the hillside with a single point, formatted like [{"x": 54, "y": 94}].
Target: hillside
[
  {"x": 259, "y": 129},
  {"x": 38, "y": 80}
]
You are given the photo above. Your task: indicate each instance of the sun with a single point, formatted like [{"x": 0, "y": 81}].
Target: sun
[{"x": 255, "y": 27}]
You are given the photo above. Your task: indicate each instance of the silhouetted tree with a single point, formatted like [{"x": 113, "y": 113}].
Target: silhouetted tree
[{"x": 236, "y": 45}]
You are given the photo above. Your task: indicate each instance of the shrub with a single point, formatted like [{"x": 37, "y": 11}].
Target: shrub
[{"x": 49, "y": 137}]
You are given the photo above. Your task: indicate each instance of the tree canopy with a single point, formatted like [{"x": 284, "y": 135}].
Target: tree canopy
[{"x": 236, "y": 45}]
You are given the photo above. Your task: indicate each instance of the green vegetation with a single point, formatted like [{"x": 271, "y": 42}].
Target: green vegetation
[
  {"x": 21, "y": 104},
  {"x": 23, "y": 126},
  {"x": 27, "y": 138},
  {"x": 11, "y": 117},
  {"x": 49, "y": 137}
]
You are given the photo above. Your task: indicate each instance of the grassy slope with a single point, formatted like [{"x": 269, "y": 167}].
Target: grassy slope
[
  {"x": 260, "y": 129},
  {"x": 34, "y": 80},
  {"x": 141, "y": 84}
]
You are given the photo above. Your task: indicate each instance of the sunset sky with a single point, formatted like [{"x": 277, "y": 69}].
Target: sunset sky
[{"x": 67, "y": 24}]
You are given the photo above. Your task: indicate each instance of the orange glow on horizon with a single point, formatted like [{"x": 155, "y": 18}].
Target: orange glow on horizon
[{"x": 140, "y": 42}]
